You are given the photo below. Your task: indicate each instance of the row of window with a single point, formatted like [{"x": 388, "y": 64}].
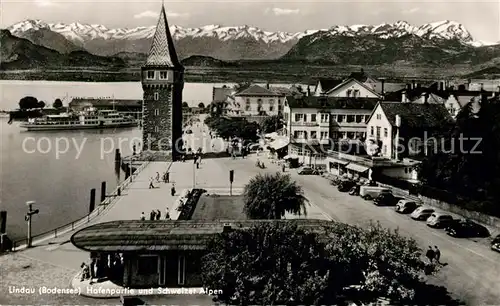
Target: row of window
[
  {"x": 261, "y": 108},
  {"x": 324, "y": 118},
  {"x": 312, "y": 135},
  {"x": 259, "y": 101},
  {"x": 151, "y": 75},
  {"x": 378, "y": 129}
]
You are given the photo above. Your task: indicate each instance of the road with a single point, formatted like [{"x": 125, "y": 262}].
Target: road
[{"x": 472, "y": 272}]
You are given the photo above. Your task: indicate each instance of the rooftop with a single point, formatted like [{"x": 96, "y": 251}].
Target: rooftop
[
  {"x": 327, "y": 84},
  {"x": 211, "y": 207},
  {"x": 416, "y": 115},
  {"x": 256, "y": 90},
  {"x": 161, "y": 235},
  {"x": 331, "y": 102}
]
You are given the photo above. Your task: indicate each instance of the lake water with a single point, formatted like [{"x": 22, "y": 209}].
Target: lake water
[{"x": 60, "y": 183}]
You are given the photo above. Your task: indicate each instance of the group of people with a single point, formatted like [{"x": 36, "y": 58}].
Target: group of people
[
  {"x": 166, "y": 179},
  {"x": 156, "y": 215},
  {"x": 433, "y": 254},
  {"x": 101, "y": 266}
]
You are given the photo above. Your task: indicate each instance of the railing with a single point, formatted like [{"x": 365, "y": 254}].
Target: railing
[{"x": 63, "y": 229}]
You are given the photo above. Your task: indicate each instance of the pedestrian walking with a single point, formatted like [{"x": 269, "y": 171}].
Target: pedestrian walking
[
  {"x": 133, "y": 149},
  {"x": 152, "y": 215},
  {"x": 167, "y": 177},
  {"x": 437, "y": 254},
  {"x": 158, "y": 214},
  {"x": 157, "y": 177},
  {"x": 430, "y": 254},
  {"x": 167, "y": 214},
  {"x": 143, "y": 217},
  {"x": 172, "y": 190},
  {"x": 151, "y": 186}
]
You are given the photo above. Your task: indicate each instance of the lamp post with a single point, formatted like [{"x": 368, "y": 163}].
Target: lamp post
[
  {"x": 30, "y": 212},
  {"x": 194, "y": 173}
]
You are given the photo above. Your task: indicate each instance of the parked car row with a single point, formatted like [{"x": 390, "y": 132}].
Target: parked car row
[
  {"x": 382, "y": 196},
  {"x": 306, "y": 170}
]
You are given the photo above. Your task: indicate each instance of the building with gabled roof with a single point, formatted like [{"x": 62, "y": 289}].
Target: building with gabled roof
[
  {"x": 352, "y": 88},
  {"x": 323, "y": 85},
  {"x": 162, "y": 78},
  {"x": 406, "y": 126},
  {"x": 257, "y": 100},
  {"x": 459, "y": 99}
]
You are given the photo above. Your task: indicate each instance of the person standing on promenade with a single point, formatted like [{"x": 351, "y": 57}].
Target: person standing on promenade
[
  {"x": 157, "y": 177},
  {"x": 172, "y": 190},
  {"x": 167, "y": 214},
  {"x": 158, "y": 214},
  {"x": 151, "y": 186},
  {"x": 430, "y": 254},
  {"x": 152, "y": 215},
  {"x": 143, "y": 217},
  {"x": 166, "y": 177},
  {"x": 437, "y": 255}
]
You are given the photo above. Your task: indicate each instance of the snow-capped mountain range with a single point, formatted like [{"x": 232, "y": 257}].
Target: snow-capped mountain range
[{"x": 80, "y": 33}]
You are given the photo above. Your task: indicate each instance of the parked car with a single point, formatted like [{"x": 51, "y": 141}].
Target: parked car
[
  {"x": 422, "y": 213},
  {"x": 371, "y": 192},
  {"x": 189, "y": 132},
  {"x": 495, "y": 243},
  {"x": 439, "y": 220},
  {"x": 386, "y": 199},
  {"x": 354, "y": 190},
  {"x": 305, "y": 170},
  {"x": 406, "y": 206},
  {"x": 345, "y": 186},
  {"x": 466, "y": 228}
]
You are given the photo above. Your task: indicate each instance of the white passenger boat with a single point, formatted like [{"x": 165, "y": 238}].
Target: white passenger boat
[{"x": 89, "y": 119}]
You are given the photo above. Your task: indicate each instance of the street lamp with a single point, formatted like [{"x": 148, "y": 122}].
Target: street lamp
[{"x": 30, "y": 212}]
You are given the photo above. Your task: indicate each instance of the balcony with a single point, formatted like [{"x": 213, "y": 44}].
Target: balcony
[{"x": 304, "y": 123}]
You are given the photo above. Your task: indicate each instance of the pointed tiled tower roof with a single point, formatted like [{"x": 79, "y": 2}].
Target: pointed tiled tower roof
[{"x": 162, "y": 52}]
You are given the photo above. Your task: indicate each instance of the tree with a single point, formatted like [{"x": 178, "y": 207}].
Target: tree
[
  {"x": 57, "y": 103},
  {"x": 185, "y": 105},
  {"x": 41, "y": 104},
  {"x": 271, "y": 124},
  {"x": 269, "y": 196},
  {"x": 28, "y": 103},
  {"x": 278, "y": 263},
  {"x": 201, "y": 105}
]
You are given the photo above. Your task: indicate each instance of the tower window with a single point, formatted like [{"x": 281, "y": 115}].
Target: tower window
[
  {"x": 163, "y": 75},
  {"x": 157, "y": 96},
  {"x": 150, "y": 75},
  {"x": 157, "y": 112}
]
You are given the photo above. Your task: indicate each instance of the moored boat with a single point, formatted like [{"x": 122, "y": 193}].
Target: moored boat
[{"x": 89, "y": 119}]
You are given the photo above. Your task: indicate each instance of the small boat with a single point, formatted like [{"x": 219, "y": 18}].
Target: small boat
[{"x": 88, "y": 119}]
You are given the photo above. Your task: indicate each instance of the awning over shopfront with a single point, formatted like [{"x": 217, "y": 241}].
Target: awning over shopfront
[
  {"x": 279, "y": 143},
  {"x": 336, "y": 160},
  {"x": 357, "y": 168}
]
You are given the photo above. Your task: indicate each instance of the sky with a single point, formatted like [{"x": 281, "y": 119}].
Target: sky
[{"x": 480, "y": 17}]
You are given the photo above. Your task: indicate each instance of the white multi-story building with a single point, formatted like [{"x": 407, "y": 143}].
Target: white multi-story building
[
  {"x": 258, "y": 101},
  {"x": 314, "y": 123}
]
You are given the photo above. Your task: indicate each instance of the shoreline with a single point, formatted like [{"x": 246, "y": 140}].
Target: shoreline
[{"x": 275, "y": 73}]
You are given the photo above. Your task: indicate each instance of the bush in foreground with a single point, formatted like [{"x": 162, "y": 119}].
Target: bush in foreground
[{"x": 278, "y": 263}]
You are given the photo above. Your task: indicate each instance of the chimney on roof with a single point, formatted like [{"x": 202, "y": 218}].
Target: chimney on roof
[
  {"x": 441, "y": 86},
  {"x": 267, "y": 85},
  {"x": 426, "y": 98},
  {"x": 227, "y": 228},
  {"x": 413, "y": 84},
  {"x": 482, "y": 86},
  {"x": 308, "y": 90},
  {"x": 382, "y": 89}
]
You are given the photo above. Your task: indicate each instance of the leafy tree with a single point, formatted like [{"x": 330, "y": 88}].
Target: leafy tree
[
  {"x": 271, "y": 124},
  {"x": 28, "y": 103},
  {"x": 57, "y": 103},
  {"x": 228, "y": 128},
  {"x": 269, "y": 196},
  {"x": 201, "y": 105},
  {"x": 41, "y": 104},
  {"x": 277, "y": 263},
  {"x": 469, "y": 164},
  {"x": 185, "y": 105}
]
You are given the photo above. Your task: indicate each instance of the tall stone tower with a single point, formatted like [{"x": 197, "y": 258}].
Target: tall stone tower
[{"x": 162, "y": 80}]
